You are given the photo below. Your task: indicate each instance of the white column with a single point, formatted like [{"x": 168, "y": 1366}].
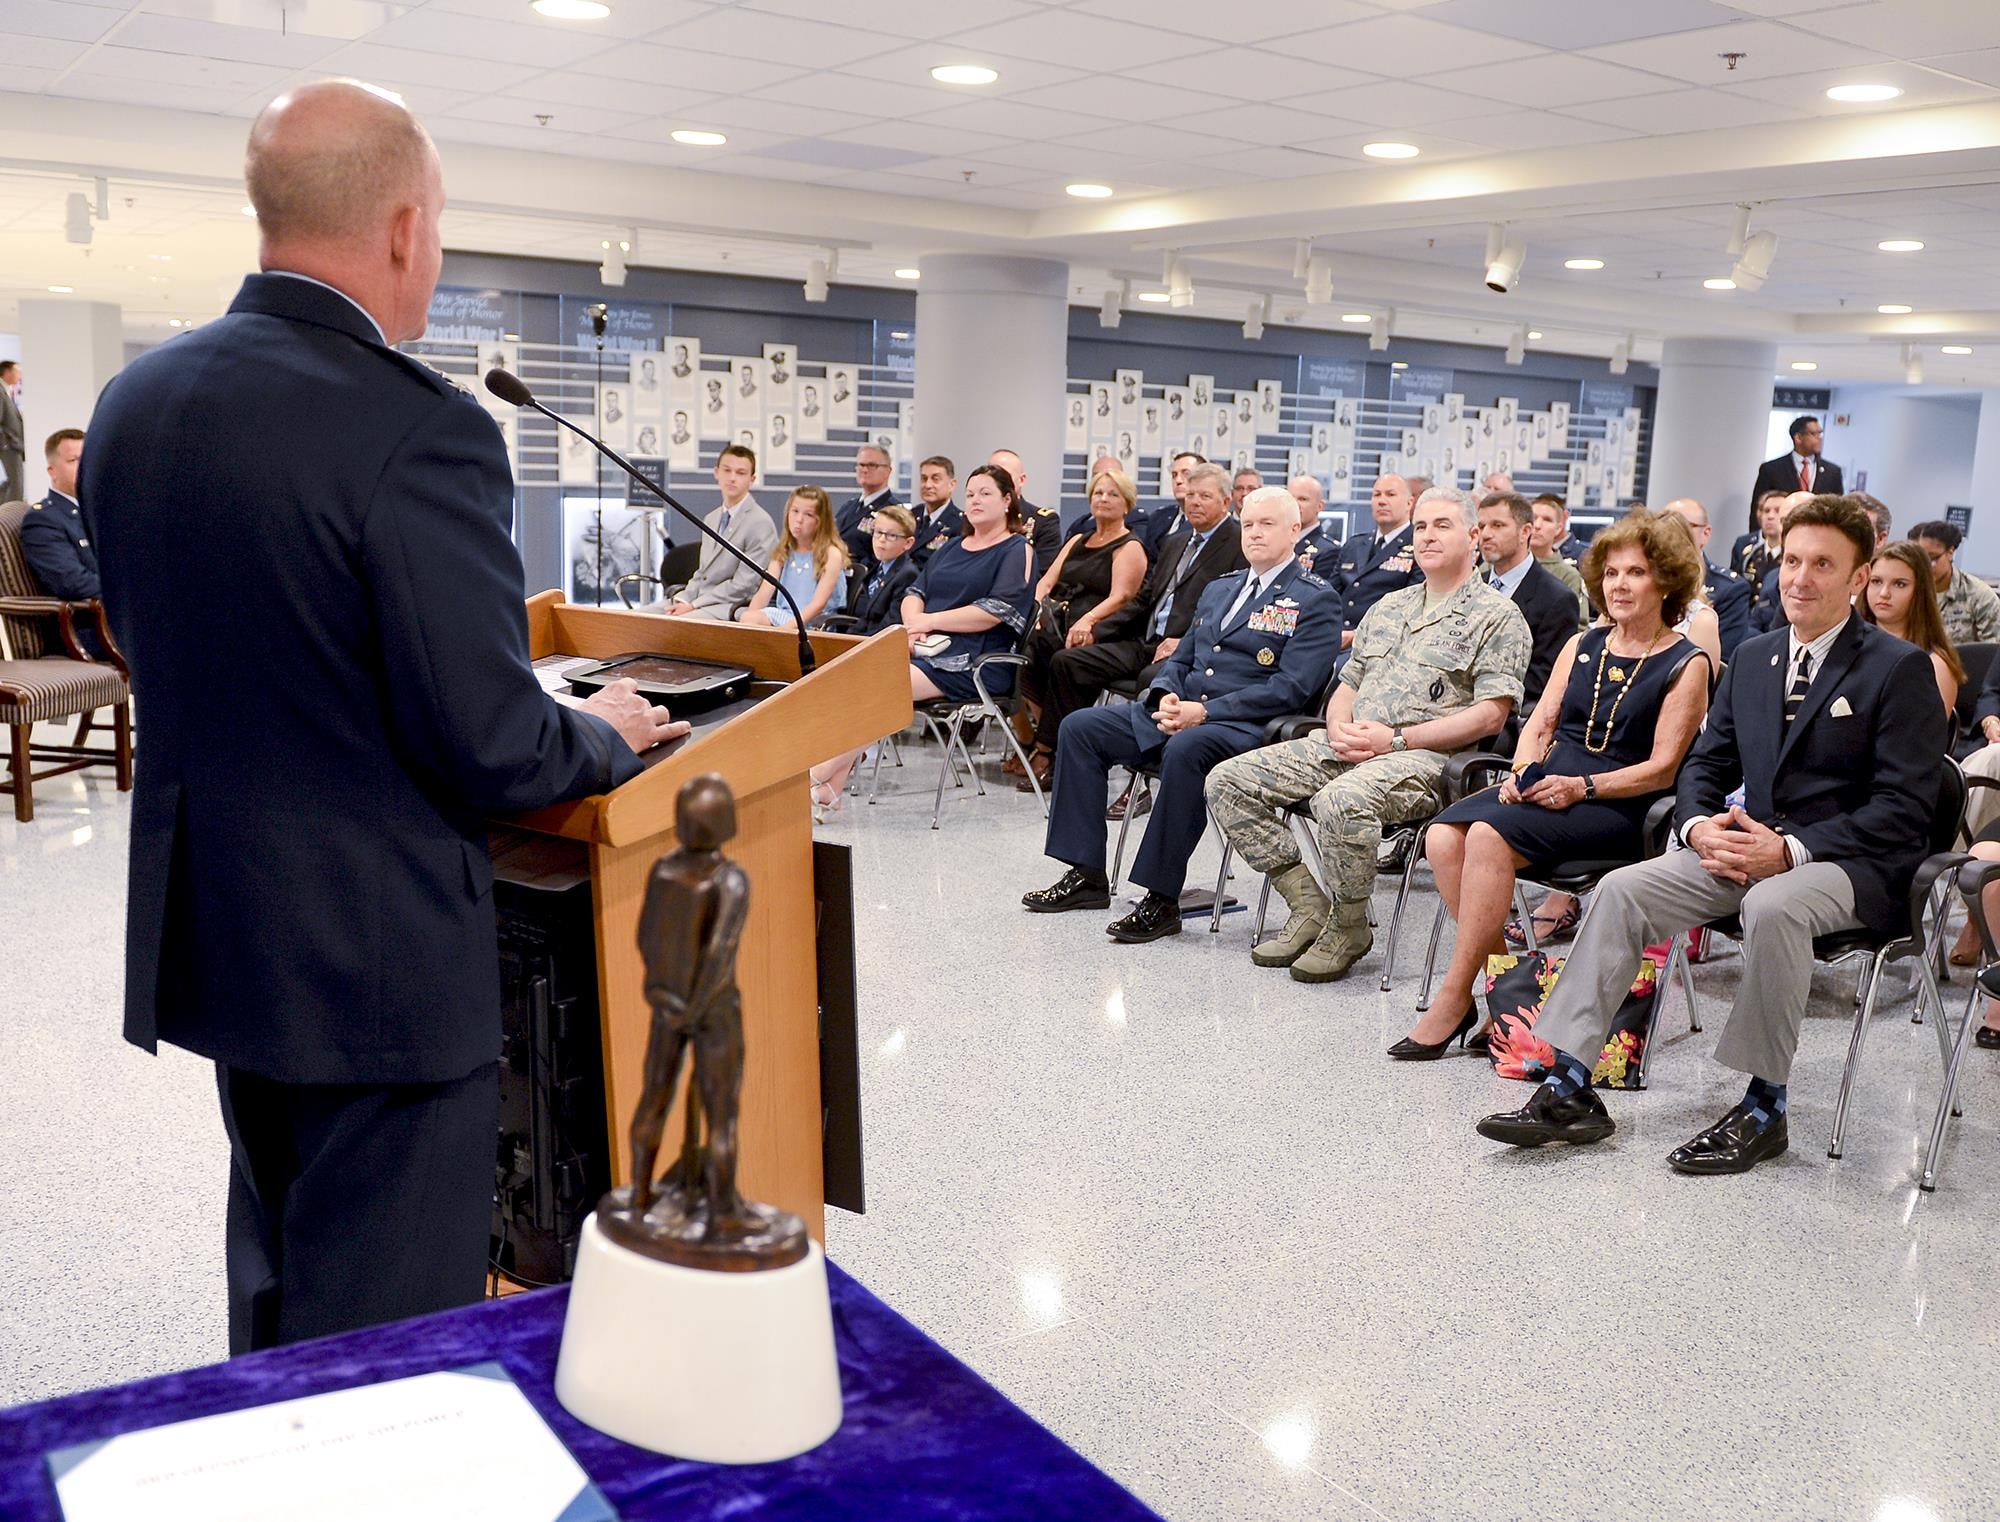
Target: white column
[
  {"x": 1708, "y": 427},
  {"x": 992, "y": 360},
  {"x": 1981, "y": 551},
  {"x": 69, "y": 352}
]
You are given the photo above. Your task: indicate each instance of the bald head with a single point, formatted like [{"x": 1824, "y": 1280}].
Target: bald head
[
  {"x": 348, "y": 189},
  {"x": 1310, "y": 496}
]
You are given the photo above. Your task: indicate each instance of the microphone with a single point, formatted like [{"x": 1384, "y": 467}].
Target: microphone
[{"x": 510, "y": 388}]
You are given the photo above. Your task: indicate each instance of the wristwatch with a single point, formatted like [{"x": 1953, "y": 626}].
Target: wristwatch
[
  {"x": 1589, "y": 787},
  {"x": 1396, "y": 740}
]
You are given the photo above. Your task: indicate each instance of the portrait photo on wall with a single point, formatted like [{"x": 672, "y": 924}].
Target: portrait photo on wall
[
  {"x": 1298, "y": 462},
  {"x": 888, "y": 441},
  {"x": 780, "y": 445},
  {"x": 1270, "y": 405},
  {"x": 645, "y": 375},
  {"x": 625, "y": 537},
  {"x": 1343, "y": 413},
  {"x": 683, "y": 365},
  {"x": 1102, "y": 424},
  {"x": 683, "y": 448},
  {"x": 1222, "y": 427},
  {"x": 1201, "y": 393},
  {"x": 812, "y": 409},
  {"x": 1246, "y": 413},
  {"x": 495, "y": 356},
  {"x": 712, "y": 410},
  {"x": 781, "y": 374},
  {"x": 1508, "y": 408},
  {"x": 746, "y": 391},
  {"x": 646, "y": 442},
  {"x": 1076, "y": 423},
  {"x": 1150, "y": 413},
  {"x": 1125, "y": 396},
  {"x": 842, "y": 397},
  {"x": 614, "y": 415},
  {"x": 1179, "y": 416},
  {"x": 576, "y": 461}
]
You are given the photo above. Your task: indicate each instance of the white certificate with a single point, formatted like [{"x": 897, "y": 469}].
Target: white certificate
[{"x": 460, "y": 1446}]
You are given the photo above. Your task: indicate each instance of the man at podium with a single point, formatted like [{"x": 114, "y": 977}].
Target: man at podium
[{"x": 313, "y": 580}]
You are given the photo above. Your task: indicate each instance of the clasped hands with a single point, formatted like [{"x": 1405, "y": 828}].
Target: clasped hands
[
  {"x": 1176, "y": 714},
  {"x": 1359, "y": 739},
  {"x": 1547, "y": 791},
  {"x": 1737, "y": 849}
]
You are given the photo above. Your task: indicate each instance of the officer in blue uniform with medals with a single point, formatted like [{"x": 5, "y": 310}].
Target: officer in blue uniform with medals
[
  {"x": 1262, "y": 644},
  {"x": 1371, "y": 566},
  {"x": 55, "y": 540}
]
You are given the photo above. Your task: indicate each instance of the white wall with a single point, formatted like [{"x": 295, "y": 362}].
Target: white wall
[{"x": 1915, "y": 448}]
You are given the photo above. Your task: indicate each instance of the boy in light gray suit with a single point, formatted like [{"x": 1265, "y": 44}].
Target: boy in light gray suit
[{"x": 721, "y": 583}]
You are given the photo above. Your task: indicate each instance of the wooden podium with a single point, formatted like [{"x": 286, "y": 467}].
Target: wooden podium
[{"x": 859, "y": 692}]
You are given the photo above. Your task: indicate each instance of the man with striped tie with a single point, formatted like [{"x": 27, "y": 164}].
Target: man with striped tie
[{"x": 1828, "y": 726}]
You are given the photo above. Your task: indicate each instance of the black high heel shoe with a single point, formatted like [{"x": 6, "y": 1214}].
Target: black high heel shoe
[{"x": 1411, "y": 1050}]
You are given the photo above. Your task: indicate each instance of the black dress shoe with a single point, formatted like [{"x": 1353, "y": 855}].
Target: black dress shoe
[
  {"x": 1732, "y": 1145},
  {"x": 1987, "y": 1037},
  {"x": 1410, "y": 1049},
  {"x": 1075, "y": 889},
  {"x": 1578, "y": 1119},
  {"x": 1157, "y": 915},
  {"x": 1136, "y": 800}
]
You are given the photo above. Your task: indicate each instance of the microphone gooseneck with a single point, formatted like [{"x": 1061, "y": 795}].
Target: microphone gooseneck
[{"x": 510, "y": 388}]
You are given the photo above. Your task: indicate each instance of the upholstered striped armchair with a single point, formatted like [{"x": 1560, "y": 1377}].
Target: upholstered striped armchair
[{"x": 45, "y": 674}]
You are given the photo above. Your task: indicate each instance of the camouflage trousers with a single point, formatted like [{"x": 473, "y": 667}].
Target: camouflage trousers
[{"x": 1351, "y": 802}]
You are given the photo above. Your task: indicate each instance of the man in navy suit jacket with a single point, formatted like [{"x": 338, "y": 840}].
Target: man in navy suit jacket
[
  {"x": 309, "y": 569},
  {"x": 1262, "y": 645},
  {"x": 1835, "y": 734}
]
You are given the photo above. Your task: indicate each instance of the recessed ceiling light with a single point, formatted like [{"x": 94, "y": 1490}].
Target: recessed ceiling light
[
  {"x": 1391, "y": 150},
  {"x": 1893, "y": 309},
  {"x": 62, "y": 290},
  {"x": 1399, "y": 364},
  {"x": 1718, "y": 283},
  {"x": 1086, "y": 190},
  {"x": 908, "y": 274},
  {"x": 1356, "y": 317},
  {"x": 161, "y": 258},
  {"x": 571, "y": 10},
  {"x": 698, "y": 139},
  {"x": 1583, "y": 264},
  {"x": 1956, "y": 349},
  {"x": 1863, "y": 93},
  {"x": 1900, "y": 245},
  {"x": 249, "y": 211},
  {"x": 1533, "y": 336},
  {"x": 174, "y": 322},
  {"x": 1155, "y": 296},
  {"x": 964, "y": 74},
  {"x": 1804, "y": 364}
]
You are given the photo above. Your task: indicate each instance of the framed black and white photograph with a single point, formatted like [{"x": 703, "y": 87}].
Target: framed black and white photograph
[
  {"x": 646, "y": 375},
  {"x": 1102, "y": 423},
  {"x": 780, "y": 445},
  {"x": 1201, "y": 393},
  {"x": 1125, "y": 397},
  {"x": 1340, "y": 482},
  {"x": 603, "y": 539},
  {"x": 1539, "y": 444},
  {"x": 1126, "y": 448},
  {"x": 1508, "y": 409},
  {"x": 1322, "y": 447},
  {"x": 1270, "y": 406},
  {"x": 614, "y": 415},
  {"x": 781, "y": 375},
  {"x": 1197, "y": 443},
  {"x": 1503, "y": 460},
  {"x": 1454, "y": 408},
  {"x": 906, "y": 423},
  {"x": 1413, "y": 443},
  {"x": 1222, "y": 429},
  {"x": 1177, "y": 416},
  {"x": 1576, "y": 485},
  {"x": 1465, "y": 436},
  {"x": 1344, "y": 414},
  {"x": 842, "y": 396},
  {"x": 1076, "y": 423},
  {"x": 647, "y": 441},
  {"x": 812, "y": 409},
  {"x": 712, "y": 409},
  {"x": 683, "y": 366},
  {"x": 1559, "y": 426},
  {"x": 1524, "y": 441},
  {"x": 1246, "y": 414},
  {"x": 746, "y": 392},
  {"x": 1433, "y": 421},
  {"x": 1298, "y": 462},
  {"x": 1245, "y": 457},
  {"x": 683, "y": 445},
  {"x": 496, "y": 356},
  {"x": 1152, "y": 411},
  {"x": 576, "y": 461},
  {"x": 888, "y": 441}
]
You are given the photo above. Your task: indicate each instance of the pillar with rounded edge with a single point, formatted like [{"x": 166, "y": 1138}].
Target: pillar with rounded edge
[
  {"x": 69, "y": 352},
  {"x": 1709, "y": 424},
  {"x": 1981, "y": 551},
  {"x": 992, "y": 363}
]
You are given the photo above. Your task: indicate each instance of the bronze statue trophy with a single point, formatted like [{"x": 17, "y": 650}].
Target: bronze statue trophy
[
  {"x": 698, "y": 1322},
  {"x": 689, "y": 933}
]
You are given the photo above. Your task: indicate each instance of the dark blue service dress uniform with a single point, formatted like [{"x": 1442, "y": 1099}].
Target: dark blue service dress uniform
[
  {"x": 853, "y": 521},
  {"x": 935, "y": 530},
  {"x": 1370, "y": 567},
  {"x": 1318, "y": 549},
  {"x": 1729, "y": 596},
  {"x": 1272, "y": 658},
  {"x": 56, "y": 544}
]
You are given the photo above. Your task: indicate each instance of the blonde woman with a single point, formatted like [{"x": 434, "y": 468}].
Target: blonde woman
[{"x": 810, "y": 561}]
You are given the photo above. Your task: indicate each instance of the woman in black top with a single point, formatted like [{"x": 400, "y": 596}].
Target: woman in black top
[{"x": 1098, "y": 571}]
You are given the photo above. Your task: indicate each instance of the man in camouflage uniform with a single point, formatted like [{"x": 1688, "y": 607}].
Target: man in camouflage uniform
[{"x": 1434, "y": 667}]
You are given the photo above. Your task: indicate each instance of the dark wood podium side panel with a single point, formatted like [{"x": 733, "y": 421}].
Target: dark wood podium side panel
[{"x": 780, "y": 1121}]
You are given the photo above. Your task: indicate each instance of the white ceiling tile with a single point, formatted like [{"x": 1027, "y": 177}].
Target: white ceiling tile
[
  {"x": 951, "y": 172},
  {"x": 217, "y": 76},
  {"x": 1913, "y": 28},
  {"x": 685, "y": 67},
  {"x": 779, "y": 39},
  {"x": 1402, "y": 46},
  {"x": 1097, "y": 42},
  {"x": 1019, "y": 198},
  {"x": 845, "y": 92},
  {"x": 1238, "y": 24},
  {"x": 1780, "y": 7},
  {"x": 1574, "y": 25},
  {"x": 1982, "y": 64},
  {"x": 563, "y": 120},
  {"x": 1920, "y": 87},
  {"x": 57, "y": 18},
  {"x": 51, "y": 53},
  {"x": 1686, "y": 111},
  {"x": 1251, "y": 74},
  {"x": 777, "y": 116},
  {"x": 1521, "y": 131},
  {"x": 18, "y": 80},
  {"x": 1269, "y": 126},
  {"x": 138, "y": 92},
  {"x": 461, "y": 129},
  {"x": 1130, "y": 100},
  {"x": 757, "y": 167},
  {"x": 628, "y": 18},
  {"x": 1435, "y": 145},
  {"x": 1548, "y": 77},
  {"x": 207, "y": 39},
  {"x": 1063, "y": 160},
  {"x": 431, "y": 31},
  {"x": 1273, "y": 164},
  {"x": 660, "y": 129},
  {"x": 1152, "y": 142},
  {"x": 1769, "y": 50},
  {"x": 559, "y": 89},
  {"x": 898, "y": 17},
  {"x": 923, "y": 137},
  {"x": 908, "y": 73},
  {"x": 1009, "y": 120},
  {"x": 404, "y": 66},
  {"x": 1385, "y": 103}
]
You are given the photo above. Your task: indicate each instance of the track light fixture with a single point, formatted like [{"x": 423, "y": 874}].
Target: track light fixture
[
  {"x": 1302, "y": 249},
  {"x": 1913, "y": 365},
  {"x": 1253, "y": 320},
  {"x": 1517, "y": 345},
  {"x": 76, "y": 217},
  {"x": 1319, "y": 280},
  {"x": 1621, "y": 355},
  {"x": 1378, "y": 332},
  {"x": 816, "y": 279},
  {"x": 611, "y": 270},
  {"x": 1180, "y": 284},
  {"x": 1504, "y": 267},
  {"x": 1112, "y": 312},
  {"x": 1740, "y": 232},
  {"x": 1753, "y": 267}
]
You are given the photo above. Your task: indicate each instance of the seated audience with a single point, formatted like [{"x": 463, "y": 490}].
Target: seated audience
[
  {"x": 1552, "y": 530},
  {"x": 1433, "y": 668},
  {"x": 873, "y": 474},
  {"x": 1878, "y": 515},
  {"x": 1262, "y": 645},
  {"x": 1606, "y": 740},
  {"x": 56, "y": 543},
  {"x": 878, "y": 598},
  {"x": 810, "y": 562},
  {"x": 1156, "y": 525},
  {"x": 939, "y": 521},
  {"x": 1139, "y": 637},
  {"x": 1899, "y": 601},
  {"x": 1830, "y": 728},
  {"x": 1316, "y": 539},
  {"x": 1755, "y": 554},
  {"x": 1560, "y": 541},
  {"x": 1244, "y": 482},
  {"x": 972, "y": 595},
  {"x": 1044, "y": 523},
  {"x": 1370, "y": 566},
  {"x": 721, "y": 583},
  {"x": 1969, "y": 607},
  {"x": 1097, "y": 572},
  {"x": 1505, "y": 523},
  {"x": 1726, "y": 592}
]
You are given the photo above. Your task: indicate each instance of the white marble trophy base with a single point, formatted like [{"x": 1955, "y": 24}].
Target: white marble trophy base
[{"x": 724, "y": 1368}]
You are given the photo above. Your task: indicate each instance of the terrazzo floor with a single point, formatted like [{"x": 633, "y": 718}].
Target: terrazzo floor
[{"x": 1187, "y": 1213}]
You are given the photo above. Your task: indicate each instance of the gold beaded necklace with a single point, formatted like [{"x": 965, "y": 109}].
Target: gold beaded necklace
[{"x": 1597, "y": 691}]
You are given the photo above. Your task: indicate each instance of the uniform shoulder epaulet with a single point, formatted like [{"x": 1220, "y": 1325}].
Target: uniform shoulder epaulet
[
  {"x": 1725, "y": 571},
  {"x": 1314, "y": 579},
  {"x": 1045, "y": 512},
  {"x": 35, "y": 507}
]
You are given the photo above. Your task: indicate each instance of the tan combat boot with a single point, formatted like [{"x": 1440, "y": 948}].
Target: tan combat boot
[
  {"x": 1309, "y": 908},
  {"x": 1343, "y": 942}
]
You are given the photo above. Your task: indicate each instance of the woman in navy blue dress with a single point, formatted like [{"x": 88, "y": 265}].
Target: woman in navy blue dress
[{"x": 1621, "y": 708}]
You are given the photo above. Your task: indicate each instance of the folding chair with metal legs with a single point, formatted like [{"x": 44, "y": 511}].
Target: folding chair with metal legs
[{"x": 1973, "y": 879}]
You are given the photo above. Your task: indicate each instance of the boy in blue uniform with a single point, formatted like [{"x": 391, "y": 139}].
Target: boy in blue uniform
[{"x": 54, "y": 539}]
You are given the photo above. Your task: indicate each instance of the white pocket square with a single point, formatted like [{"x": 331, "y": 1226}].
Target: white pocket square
[{"x": 1839, "y": 709}]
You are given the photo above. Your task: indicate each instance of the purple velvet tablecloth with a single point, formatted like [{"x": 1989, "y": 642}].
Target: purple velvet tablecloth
[{"x": 923, "y": 1437}]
